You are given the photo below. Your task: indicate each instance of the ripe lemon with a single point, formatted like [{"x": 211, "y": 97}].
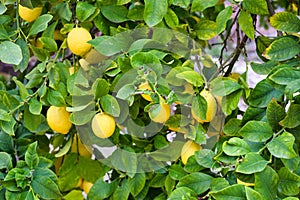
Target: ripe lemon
[
  {"x": 78, "y": 146},
  {"x": 103, "y": 125},
  {"x": 188, "y": 150},
  {"x": 145, "y": 86},
  {"x": 28, "y": 14},
  {"x": 244, "y": 183},
  {"x": 71, "y": 70},
  {"x": 211, "y": 107},
  {"x": 160, "y": 113},
  {"x": 77, "y": 41},
  {"x": 58, "y": 119},
  {"x": 86, "y": 186}
]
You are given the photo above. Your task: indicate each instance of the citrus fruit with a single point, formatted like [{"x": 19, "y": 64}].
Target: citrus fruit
[
  {"x": 188, "y": 150},
  {"x": 58, "y": 119},
  {"x": 77, "y": 41},
  {"x": 79, "y": 183},
  {"x": 71, "y": 70},
  {"x": 28, "y": 14},
  {"x": 86, "y": 186},
  {"x": 103, "y": 125},
  {"x": 145, "y": 86},
  {"x": 235, "y": 76},
  {"x": 160, "y": 113},
  {"x": 211, "y": 107},
  {"x": 78, "y": 146},
  {"x": 244, "y": 183}
]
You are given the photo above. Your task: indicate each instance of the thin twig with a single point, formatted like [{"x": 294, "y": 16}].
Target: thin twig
[{"x": 272, "y": 12}]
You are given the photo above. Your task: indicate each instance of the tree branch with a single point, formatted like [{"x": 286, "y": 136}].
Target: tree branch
[{"x": 272, "y": 12}]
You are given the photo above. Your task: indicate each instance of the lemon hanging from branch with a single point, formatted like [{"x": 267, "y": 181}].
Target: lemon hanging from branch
[
  {"x": 103, "y": 125},
  {"x": 77, "y": 41},
  {"x": 28, "y": 14},
  {"x": 59, "y": 119}
]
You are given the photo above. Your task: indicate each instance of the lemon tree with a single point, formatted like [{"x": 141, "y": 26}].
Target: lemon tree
[{"x": 149, "y": 99}]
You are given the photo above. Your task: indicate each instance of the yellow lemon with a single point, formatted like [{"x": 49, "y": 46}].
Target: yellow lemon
[
  {"x": 244, "y": 183},
  {"x": 28, "y": 14},
  {"x": 78, "y": 146},
  {"x": 38, "y": 44},
  {"x": 79, "y": 183},
  {"x": 189, "y": 149},
  {"x": 77, "y": 41},
  {"x": 71, "y": 70},
  {"x": 86, "y": 186},
  {"x": 160, "y": 113},
  {"x": 211, "y": 107},
  {"x": 103, "y": 125},
  {"x": 59, "y": 119},
  {"x": 145, "y": 86},
  {"x": 235, "y": 76}
]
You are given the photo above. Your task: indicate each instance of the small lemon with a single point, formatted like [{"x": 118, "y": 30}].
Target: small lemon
[
  {"x": 58, "y": 119},
  {"x": 71, "y": 70},
  {"x": 77, "y": 41},
  {"x": 28, "y": 14},
  {"x": 211, "y": 107},
  {"x": 86, "y": 186},
  {"x": 244, "y": 183},
  {"x": 78, "y": 146},
  {"x": 79, "y": 183},
  {"x": 160, "y": 113},
  {"x": 103, "y": 125},
  {"x": 189, "y": 149},
  {"x": 145, "y": 86}
]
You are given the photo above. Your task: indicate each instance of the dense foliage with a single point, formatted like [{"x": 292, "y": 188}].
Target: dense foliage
[{"x": 180, "y": 49}]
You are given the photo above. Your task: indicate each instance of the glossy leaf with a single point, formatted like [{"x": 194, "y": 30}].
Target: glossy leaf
[
  {"x": 206, "y": 29},
  {"x": 199, "y": 5},
  {"x": 285, "y": 21},
  {"x": 282, "y": 146},
  {"x": 154, "y": 11},
  {"x": 183, "y": 193},
  {"x": 245, "y": 22},
  {"x": 292, "y": 119},
  {"x": 256, "y": 131},
  {"x": 252, "y": 163},
  {"x": 284, "y": 76},
  {"x": 40, "y": 24},
  {"x": 259, "y": 7},
  {"x": 192, "y": 77},
  {"x": 105, "y": 188},
  {"x": 84, "y": 10},
  {"x": 231, "y": 192},
  {"x": 288, "y": 182},
  {"x": 7, "y": 49},
  {"x": 236, "y": 147},
  {"x": 223, "y": 18},
  {"x": 197, "y": 181}
]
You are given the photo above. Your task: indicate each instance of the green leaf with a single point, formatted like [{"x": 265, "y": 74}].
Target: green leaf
[
  {"x": 96, "y": 170},
  {"x": 40, "y": 24},
  {"x": 154, "y": 11},
  {"x": 48, "y": 43},
  {"x": 233, "y": 192},
  {"x": 110, "y": 105},
  {"x": 205, "y": 158},
  {"x": 35, "y": 106},
  {"x": 84, "y": 10},
  {"x": 291, "y": 88},
  {"x": 115, "y": 13},
  {"x": 6, "y": 142},
  {"x": 282, "y": 49},
  {"x": 199, "y": 106},
  {"x": 100, "y": 88},
  {"x": 262, "y": 94},
  {"x": 7, "y": 49},
  {"x": 5, "y": 161},
  {"x": 232, "y": 127},
  {"x": 149, "y": 62},
  {"x": 246, "y": 24},
  {"x": 223, "y": 18},
  {"x": 106, "y": 189},
  {"x": 55, "y": 98},
  {"x": 176, "y": 172},
  {"x": 285, "y": 75},
  {"x": 231, "y": 102},
  {"x": 206, "y": 29},
  {"x": 200, "y": 5},
  {"x": 31, "y": 4},
  {"x": 259, "y": 7},
  {"x": 192, "y": 77},
  {"x": 282, "y": 146},
  {"x": 236, "y": 147},
  {"x": 171, "y": 18},
  {"x": 63, "y": 10},
  {"x": 183, "y": 193},
  {"x": 64, "y": 150},
  {"x": 256, "y": 131},
  {"x": 266, "y": 183},
  {"x": 197, "y": 181},
  {"x": 275, "y": 113},
  {"x": 285, "y": 21},
  {"x": 74, "y": 195},
  {"x": 288, "y": 182},
  {"x": 218, "y": 184},
  {"x": 32, "y": 122},
  {"x": 224, "y": 86},
  {"x": 123, "y": 191},
  {"x": 82, "y": 117},
  {"x": 45, "y": 187},
  {"x": 137, "y": 183},
  {"x": 263, "y": 68},
  {"x": 31, "y": 156},
  {"x": 252, "y": 163},
  {"x": 4, "y": 115},
  {"x": 23, "y": 91},
  {"x": 25, "y": 54},
  {"x": 126, "y": 91},
  {"x": 252, "y": 194},
  {"x": 292, "y": 119}
]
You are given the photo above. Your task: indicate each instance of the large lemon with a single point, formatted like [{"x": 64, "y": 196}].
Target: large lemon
[
  {"x": 86, "y": 186},
  {"x": 160, "y": 113},
  {"x": 77, "y": 41},
  {"x": 103, "y": 125},
  {"x": 28, "y": 14},
  {"x": 145, "y": 86},
  {"x": 78, "y": 146},
  {"x": 211, "y": 107},
  {"x": 189, "y": 149},
  {"x": 59, "y": 119}
]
